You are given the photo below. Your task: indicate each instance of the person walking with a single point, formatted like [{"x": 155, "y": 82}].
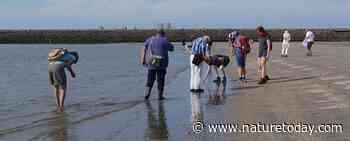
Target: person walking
[
  {"x": 285, "y": 43},
  {"x": 240, "y": 48},
  {"x": 309, "y": 41},
  {"x": 200, "y": 53},
  {"x": 154, "y": 56},
  {"x": 59, "y": 60},
  {"x": 264, "y": 51}
]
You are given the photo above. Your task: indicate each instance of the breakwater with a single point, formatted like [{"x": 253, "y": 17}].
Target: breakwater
[{"x": 138, "y": 35}]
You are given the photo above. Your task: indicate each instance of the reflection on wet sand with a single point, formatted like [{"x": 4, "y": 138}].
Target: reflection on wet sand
[
  {"x": 197, "y": 108},
  {"x": 157, "y": 127},
  {"x": 217, "y": 96},
  {"x": 60, "y": 131}
]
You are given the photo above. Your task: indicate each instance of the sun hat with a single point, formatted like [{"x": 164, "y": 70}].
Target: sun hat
[{"x": 55, "y": 54}]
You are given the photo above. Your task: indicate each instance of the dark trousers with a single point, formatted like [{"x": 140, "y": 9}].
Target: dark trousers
[
  {"x": 157, "y": 74},
  {"x": 309, "y": 45}
]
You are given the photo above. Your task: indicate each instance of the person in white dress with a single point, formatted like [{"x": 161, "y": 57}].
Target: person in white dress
[{"x": 285, "y": 43}]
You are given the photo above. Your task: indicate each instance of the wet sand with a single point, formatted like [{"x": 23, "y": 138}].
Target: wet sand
[{"x": 106, "y": 101}]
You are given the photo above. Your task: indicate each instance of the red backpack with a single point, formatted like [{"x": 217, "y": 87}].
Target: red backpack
[{"x": 243, "y": 42}]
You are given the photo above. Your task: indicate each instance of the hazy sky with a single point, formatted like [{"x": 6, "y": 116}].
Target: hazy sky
[{"x": 182, "y": 13}]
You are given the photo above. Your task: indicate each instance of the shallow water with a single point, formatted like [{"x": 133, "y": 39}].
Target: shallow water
[
  {"x": 107, "y": 76},
  {"x": 104, "y": 102}
]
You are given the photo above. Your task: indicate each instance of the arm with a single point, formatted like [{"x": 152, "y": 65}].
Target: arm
[
  {"x": 207, "y": 73},
  {"x": 143, "y": 56},
  {"x": 268, "y": 48},
  {"x": 70, "y": 69},
  {"x": 289, "y": 38},
  {"x": 188, "y": 50},
  {"x": 231, "y": 50},
  {"x": 143, "y": 51}
]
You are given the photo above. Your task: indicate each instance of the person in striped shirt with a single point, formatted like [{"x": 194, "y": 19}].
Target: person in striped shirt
[{"x": 200, "y": 53}]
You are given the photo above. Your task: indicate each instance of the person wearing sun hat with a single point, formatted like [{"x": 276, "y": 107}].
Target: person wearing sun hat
[{"x": 60, "y": 59}]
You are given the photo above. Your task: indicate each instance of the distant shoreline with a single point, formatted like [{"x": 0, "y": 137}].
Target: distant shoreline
[{"x": 94, "y": 36}]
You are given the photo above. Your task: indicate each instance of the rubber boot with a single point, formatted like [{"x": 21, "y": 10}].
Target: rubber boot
[
  {"x": 161, "y": 95},
  {"x": 148, "y": 91}
]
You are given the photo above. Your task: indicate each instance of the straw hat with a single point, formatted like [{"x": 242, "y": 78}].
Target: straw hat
[{"x": 55, "y": 54}]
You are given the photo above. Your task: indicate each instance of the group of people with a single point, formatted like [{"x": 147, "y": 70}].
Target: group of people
[
  {"x": 307, "y": 42},
  {"x": 154, "y": 56}
]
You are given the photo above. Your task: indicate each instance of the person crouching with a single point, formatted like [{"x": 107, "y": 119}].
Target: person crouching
[{"x": 219, "y": 63}]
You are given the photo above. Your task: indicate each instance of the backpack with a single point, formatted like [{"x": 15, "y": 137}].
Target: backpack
[{"x": 242, "y": 42}]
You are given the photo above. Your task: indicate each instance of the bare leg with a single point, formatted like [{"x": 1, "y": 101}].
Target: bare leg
[
  {"x": 216, "y": 72},
  {"x": 244, "y": 72},
  {"x": 62, "y": 96},
  {"x": 260, "y": 67},
  {"x": 224, "y": 79},
  {"x": 56, "y": 92},
  {"x": 263, "y": 68},
  {"x": 223, "y": 72},
  {"x": 217, "y": 75},
  {"x": 240, "y": 72}
]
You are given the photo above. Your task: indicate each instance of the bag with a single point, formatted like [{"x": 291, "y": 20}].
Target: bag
[
  {"x": 243, "y": 42},
  {"x": 197, "y": 59},
  {"x": 154, "y": 60}
]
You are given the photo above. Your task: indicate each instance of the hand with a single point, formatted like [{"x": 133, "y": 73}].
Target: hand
[
  {"x": 73, "y": 75},
  {"x": 142, "y": 62}
]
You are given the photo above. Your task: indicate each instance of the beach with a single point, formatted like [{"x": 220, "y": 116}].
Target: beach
[{"x": 105, "y": 101}]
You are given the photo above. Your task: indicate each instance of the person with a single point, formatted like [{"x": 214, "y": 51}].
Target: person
[
  {"x": 285, "y": 43},
  {"x": 200, "y": 52},
  {"x": 264, "y": 51},
  {"x": 309, "y": 41},
  {"x": 240, "y": 48},
  {"x": 219, "y": 62},
  {"x": 59, "y": 59},
  {"x": 154, "y": 56}
]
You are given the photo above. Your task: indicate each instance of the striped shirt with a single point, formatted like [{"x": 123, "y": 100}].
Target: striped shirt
[{"x": 200, "y": 46}]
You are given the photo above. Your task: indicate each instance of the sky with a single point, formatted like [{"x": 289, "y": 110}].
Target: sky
[{"x": 67, "y": 14}]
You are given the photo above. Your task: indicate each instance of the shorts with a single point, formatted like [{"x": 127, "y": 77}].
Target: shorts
[
  {"x": 262, "y": 52},
  {"x": 240, "y": 58},
  {"x": 57, "y": 75}
]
